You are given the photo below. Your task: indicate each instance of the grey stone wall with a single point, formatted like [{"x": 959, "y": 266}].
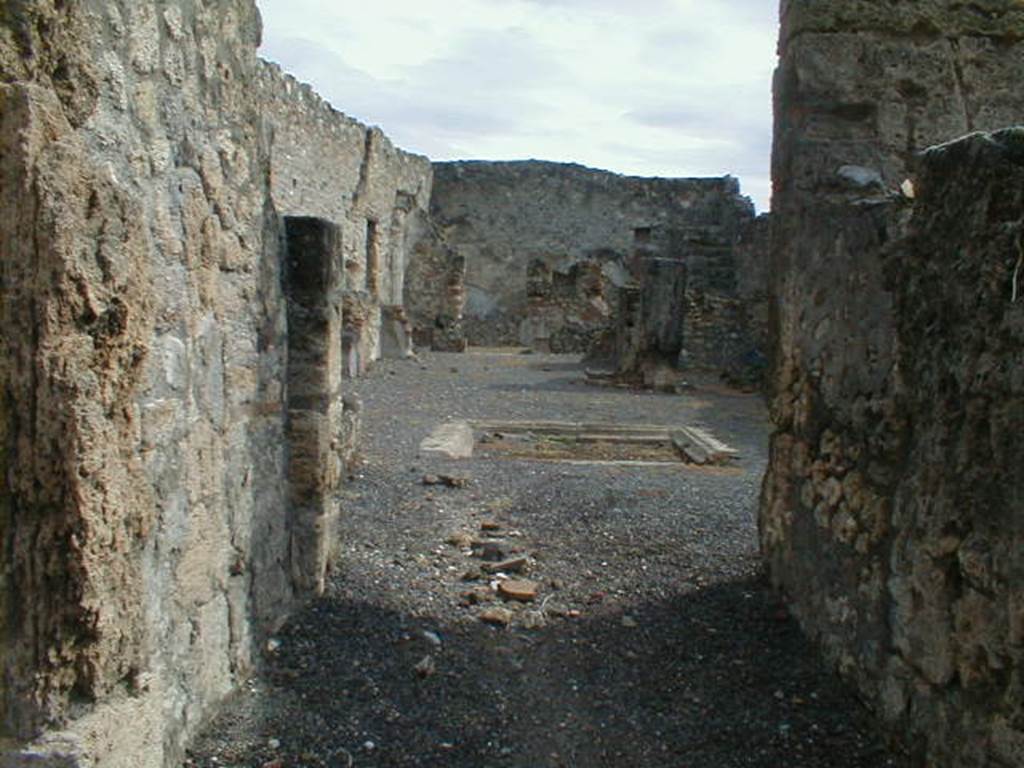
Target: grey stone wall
[
  {"x": 328, "y": 165},
  {"x": 157, "y": 360},
  {"x": 891, "y": 510},
  {"x": 502, "y": 217}
]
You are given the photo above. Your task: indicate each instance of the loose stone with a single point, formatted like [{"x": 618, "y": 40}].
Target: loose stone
[{"x": 519, "y": 590}]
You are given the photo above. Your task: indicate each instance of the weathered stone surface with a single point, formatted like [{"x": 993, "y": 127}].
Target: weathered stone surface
[
  {"x": 150, "y": 534},
  {"x": 139, "y": 464},
  {"x": 327, "y": 165},
  {"x": 313, "y": 279},
  {"x": 396, "y": 342},
  {"x": 512, "y": 565},
  {"x": 891, "y": 511},
  {"x": 453, "y": 441},
  {"x": 521, "y": 591},
  {"x": 435, "y": 288},
  {"x": 499, "y": 617},
  {"x": 549, "y": 246}
]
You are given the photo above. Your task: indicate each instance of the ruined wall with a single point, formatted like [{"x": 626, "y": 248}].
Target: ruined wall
[
  {"x": 169, "y": 388},
  {"x": 503, "y": 217},
  {"x": 435, "y": 288},
  {"x": 143, "y": 330},
  {"x": 891, "y": 511},
  {"x": 737, "y": 336},
  {"x": 567, "y": 311},
  {"x": 327, "y": 165}
]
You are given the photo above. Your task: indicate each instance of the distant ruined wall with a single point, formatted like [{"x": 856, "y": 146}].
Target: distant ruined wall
[
  {"x": 891, "y": 513},
  {"x": 170, "y": 370},
  {"x": 504, "y": 217}
]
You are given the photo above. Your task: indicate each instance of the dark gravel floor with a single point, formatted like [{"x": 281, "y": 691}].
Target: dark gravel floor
[{"x": 654, "y": 640}]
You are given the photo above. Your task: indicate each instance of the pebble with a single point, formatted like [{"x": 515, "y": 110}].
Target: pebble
[
  {"x": 534, "y": 620},
  {"x": 513, "y": 565},
  {"x": 501, "y": 617},
  {"x": 556, "y": 609},
  {"x": 432, "y": 637},
  {"x": 490, "y": 551},
  {"x": 518, "y": 589},
  {"x": 462, "y": 540},
  {"x": 426, "y": 666}
]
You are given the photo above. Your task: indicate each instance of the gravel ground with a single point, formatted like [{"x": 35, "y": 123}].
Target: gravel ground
[{"x": 653, "y": 639}]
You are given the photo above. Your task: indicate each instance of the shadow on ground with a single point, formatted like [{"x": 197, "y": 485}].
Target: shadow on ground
[
  {"x": 718, "y": 677},
  {"x": 675, "y": 654}
]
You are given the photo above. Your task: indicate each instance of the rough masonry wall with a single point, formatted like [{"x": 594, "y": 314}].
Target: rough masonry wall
[
  {"x": 327, "y": 165},
  {"x": 435, "y": 289},
  {"x": 144, "y": 537},
  {"x": 505, "y": 217},
  {"x": 891, "y": 510},
  {"x": 167, "y": 390}
]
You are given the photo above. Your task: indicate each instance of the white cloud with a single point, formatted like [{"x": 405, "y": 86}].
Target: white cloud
[{"x": 653, "y": 87}]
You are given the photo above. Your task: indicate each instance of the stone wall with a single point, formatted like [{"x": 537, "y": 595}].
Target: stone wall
[
  {"x": 327, "y": 165},
  {"x": 891, "y": 511},
  {"x": 505, "y": 217},
  {"x": 567, "y": 311},
  {"x": 435, "y": 288},
  {"x": 170, "y": 395}
]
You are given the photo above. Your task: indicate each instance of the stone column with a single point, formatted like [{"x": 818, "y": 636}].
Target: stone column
[{"x": 314, "y": 295}]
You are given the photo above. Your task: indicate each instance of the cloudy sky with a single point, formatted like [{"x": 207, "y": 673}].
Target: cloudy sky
[{"x": 646, "y": 87}]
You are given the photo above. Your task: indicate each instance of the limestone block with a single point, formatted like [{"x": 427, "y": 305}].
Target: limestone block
[{"x": 453, "y": 440}]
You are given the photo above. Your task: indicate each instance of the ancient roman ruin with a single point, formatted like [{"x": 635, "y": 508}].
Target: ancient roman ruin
[
  {"x": 891, "y": 512},
  {"x": 197, "y": 251},
  {"x": 563, "y": 258}
]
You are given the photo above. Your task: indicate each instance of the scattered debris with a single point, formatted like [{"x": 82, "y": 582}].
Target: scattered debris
[
  {"x": 363, "y": 666},
  {"x": 461, "y": 540},
  {"x": 534, "y": 620},
  {"x": 512, "y": 565},
  {"x": 520, "y": 590},
  {"x": 697, "y": 446},
  {"x": 500, "y": 617},
  {"x": 432, "y": 637},
  {"x": 426, "y": 667},
  {"x": 554, "y": 609},
  {"x": 450, "y": 481},
  {"x": 476, "y": 597},
  {"x": 490, "y": 551}
]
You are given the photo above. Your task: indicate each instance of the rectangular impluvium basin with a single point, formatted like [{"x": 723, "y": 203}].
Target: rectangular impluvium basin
[{"x": 579, "y": 442}]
